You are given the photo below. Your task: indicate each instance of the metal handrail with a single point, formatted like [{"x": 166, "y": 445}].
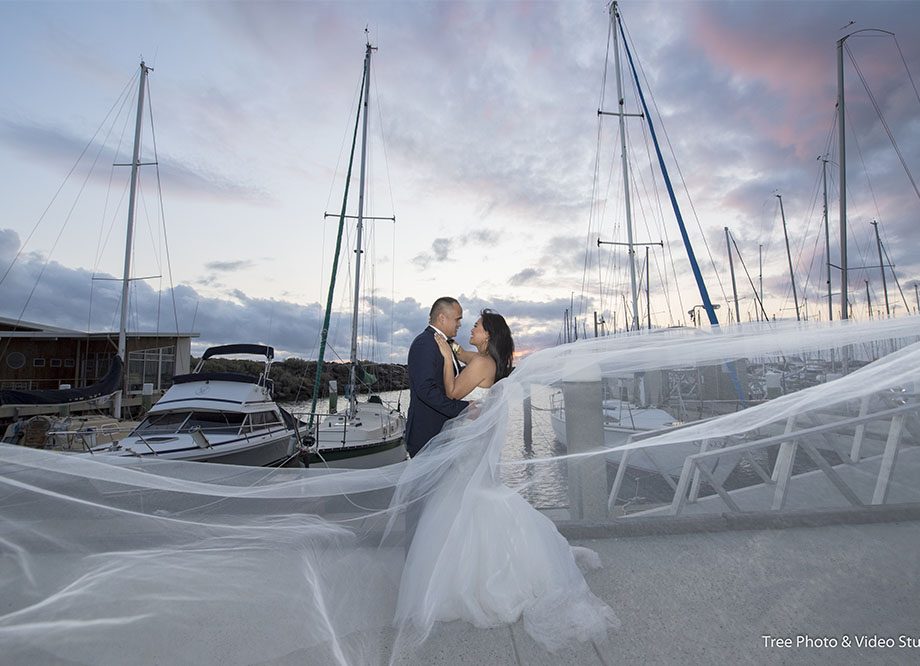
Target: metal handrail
[
  {"x": 695, "y": 469},
  {"x": 790, "y": 439}
]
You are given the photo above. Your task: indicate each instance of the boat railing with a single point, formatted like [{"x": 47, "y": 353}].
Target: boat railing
[
  {"x": 146, "y": 443},
  {"x": 305, "y": 432},
  {"x": 718, "y": 457},
  {"x": 384, "y": 421},
  {"x": 89, "y": 437}
]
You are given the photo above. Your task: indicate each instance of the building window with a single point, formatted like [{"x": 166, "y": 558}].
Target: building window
[
  {"x": 15, "y": 360},
  {"x": 96, "y": 365},
  {"x": 55, "y": 363},
  {"x": 68, "y": 363},
  {"x": 38, "y": 363}
]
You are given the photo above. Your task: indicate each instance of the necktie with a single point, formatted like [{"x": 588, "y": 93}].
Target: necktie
[{"x": 450, "y": 341}]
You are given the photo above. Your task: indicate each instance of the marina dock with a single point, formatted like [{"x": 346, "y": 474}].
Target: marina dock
[{"x": 719, "y": 588}]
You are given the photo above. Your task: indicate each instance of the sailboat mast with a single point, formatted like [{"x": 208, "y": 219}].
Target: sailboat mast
[
  {"x": 795, "y": 295},
  {"x": 360, "y": 229},
  {"x": 881, "y": 265},
  {"x": 129, "y": 239},
  {"x": 648, "y": 299},
  {"x": 622, "y": 117},
  {"x": 317, "y": 382},
  {"x": 760, "y": 254},
  {"x": 842, "y": 140},
  {"x": 731, "y": 268},
  {"x": 691, "y": 256},
  {"x": 827, "y": 243}
]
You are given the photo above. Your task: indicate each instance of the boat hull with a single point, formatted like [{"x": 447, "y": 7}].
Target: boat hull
[
  {"x": 668, "y": 458},
  {"x": 361, "y": 457},
  {"x": 257, "y": 451},
  {"x": 371, "y": 436}
]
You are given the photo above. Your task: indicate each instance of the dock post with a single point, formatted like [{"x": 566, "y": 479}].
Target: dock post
[
  {"x": 528, "y": 420},
  {"x": 147, "y": 396},
  {"x": 64, "y": 409},
  {"x": 584, "y": 431}
]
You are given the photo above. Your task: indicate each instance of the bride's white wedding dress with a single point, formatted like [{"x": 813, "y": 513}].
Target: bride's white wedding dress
[{"x": 481, "y": 553}]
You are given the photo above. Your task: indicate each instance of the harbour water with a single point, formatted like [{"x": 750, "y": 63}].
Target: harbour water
[{"x": 545, "y": 484}]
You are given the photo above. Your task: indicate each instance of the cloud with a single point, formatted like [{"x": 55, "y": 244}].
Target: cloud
[
  {"x": 442, "y": 248},
  {"x": 9, "y": 245},
  {"x": 227, "y": 266},
  {"x": 62, "y": 149},
  {"x": 490, "y": 110},
  {"x": 422, "y": 260},
  {"x": 525, "y": 276},
  {"x": 70, "y": 298},
  {"x": 483, "y": 237},
  {"x": 440, "y": 251}
]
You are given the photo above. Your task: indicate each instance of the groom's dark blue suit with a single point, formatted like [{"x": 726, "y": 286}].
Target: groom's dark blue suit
[{"x": 429, "y": 406}]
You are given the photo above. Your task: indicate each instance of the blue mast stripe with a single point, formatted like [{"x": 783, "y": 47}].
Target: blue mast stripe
[{"x": 707, "y": 303}]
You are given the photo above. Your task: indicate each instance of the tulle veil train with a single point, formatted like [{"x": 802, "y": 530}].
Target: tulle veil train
[{"x": 111, "y": 561}]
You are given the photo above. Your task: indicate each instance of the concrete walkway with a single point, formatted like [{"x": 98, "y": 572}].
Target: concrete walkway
[{"x": 710, "y": 596}]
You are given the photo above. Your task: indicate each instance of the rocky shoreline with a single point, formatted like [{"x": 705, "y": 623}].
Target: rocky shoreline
[{"x": 294, "y": 377}]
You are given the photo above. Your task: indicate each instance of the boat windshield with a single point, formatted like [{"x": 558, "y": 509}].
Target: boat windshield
[
  {"x": 261, "y": 421},
  {"x": 184, "y": 421}
]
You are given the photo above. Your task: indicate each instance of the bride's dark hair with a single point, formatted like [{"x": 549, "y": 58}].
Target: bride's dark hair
[{"x": 501, "y": 344}]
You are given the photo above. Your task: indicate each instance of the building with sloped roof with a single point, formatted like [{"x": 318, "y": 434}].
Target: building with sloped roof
[{"x": 36, "y": 356}]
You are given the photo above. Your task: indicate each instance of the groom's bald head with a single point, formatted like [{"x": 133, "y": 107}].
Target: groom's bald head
[{"x": 445, "y": 315}]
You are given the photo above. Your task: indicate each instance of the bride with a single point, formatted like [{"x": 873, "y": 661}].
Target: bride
[
  {"x": 488, "y": 364},
  {"x": 481, "y": 553}
]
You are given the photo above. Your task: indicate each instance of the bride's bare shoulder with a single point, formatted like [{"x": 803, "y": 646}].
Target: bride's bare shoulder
[
  {"x": 484, "y": 366},
  {"x": 483, "y": 361}
]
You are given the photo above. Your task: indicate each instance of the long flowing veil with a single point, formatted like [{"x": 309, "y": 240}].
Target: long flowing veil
[{"x": 110, "y": 561}]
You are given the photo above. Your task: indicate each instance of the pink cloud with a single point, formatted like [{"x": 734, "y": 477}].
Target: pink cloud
[{"x": 800, "y": 73}]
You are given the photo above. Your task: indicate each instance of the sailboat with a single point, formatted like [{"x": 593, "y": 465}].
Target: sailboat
[
  {"x": 111, "y": 389},
  {"x": 220, "y": 417},
  {"x": 638, "y": 412},
  {"x": 367, "y": 434}
]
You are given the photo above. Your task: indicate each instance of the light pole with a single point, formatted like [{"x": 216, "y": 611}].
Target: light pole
[{"x": 692, "y": 312}]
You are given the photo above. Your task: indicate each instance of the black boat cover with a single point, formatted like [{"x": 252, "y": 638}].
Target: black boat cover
[
  {"x": 107, "y": 385},
  {"x": 261, "y": 350}
]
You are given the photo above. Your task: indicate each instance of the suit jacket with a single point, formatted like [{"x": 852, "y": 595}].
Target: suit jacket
[{"x": 429, "y": 406}]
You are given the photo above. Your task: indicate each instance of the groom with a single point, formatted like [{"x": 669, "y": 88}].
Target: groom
[{"x": 429, "y": 406}]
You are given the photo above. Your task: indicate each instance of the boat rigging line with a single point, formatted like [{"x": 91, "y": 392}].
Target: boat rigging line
[
  {"x": 335, "y": 259},
  {"x": 881, "y": 116},
  {"x": 704, "y": 293},
  {"x": 750, "y": 280},
  {"x": 121, "y": 97}
]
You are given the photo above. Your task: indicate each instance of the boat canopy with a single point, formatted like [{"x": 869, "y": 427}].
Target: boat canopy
[{"x": 261, "y": 350}]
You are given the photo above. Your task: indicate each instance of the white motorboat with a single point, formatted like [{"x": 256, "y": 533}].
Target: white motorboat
[{"x": 222, "y": 417}]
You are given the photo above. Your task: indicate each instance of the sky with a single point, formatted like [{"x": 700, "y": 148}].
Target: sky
[{"x": 484, "y": 142}]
